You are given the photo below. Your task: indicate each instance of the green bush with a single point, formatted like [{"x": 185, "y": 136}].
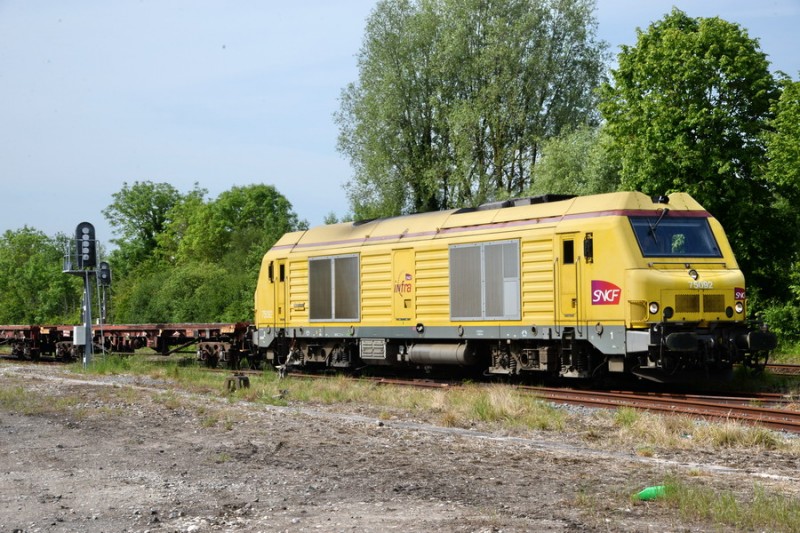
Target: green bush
[{"x": 783, "y": 319}]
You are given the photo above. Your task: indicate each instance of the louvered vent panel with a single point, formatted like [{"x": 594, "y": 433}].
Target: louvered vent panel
[
  {"x": 713, "y": 303},
  {"x": 687, "y": 303}
]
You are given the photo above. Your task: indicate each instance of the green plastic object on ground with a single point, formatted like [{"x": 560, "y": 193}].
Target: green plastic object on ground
[{"x": 651, "y": 493}]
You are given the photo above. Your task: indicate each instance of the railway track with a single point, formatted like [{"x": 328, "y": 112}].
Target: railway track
[
  {"x": 767, "y": 410},
  {"x": 784, "y": 369},
  {"x": 771, "y": 410}
]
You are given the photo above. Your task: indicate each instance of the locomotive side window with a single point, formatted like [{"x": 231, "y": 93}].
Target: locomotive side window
[
  {"x": 671, "y": 236},
  {"x": 484, "y": 281},
  {"x": 568, "y": 255},
  {"x": 333, "y": 288}
]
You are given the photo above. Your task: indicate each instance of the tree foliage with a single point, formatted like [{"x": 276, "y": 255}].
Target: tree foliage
[
  {"x": 33, "y": 287},
  {"x": 783, "y": 144},
  {"x": 454, "y": 98},
  {"x": 203, "y": 256},
  {"x": 783, "y": 175},
  {"x": 578, "y": 162},
  {"x": 687, "y": 111},
  {"x": 242, "y": 220},
  {"x": 139, "y": 214}
]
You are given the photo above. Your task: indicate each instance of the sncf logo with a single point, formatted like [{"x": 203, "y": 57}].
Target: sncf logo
[
  {"x": 605, "y": 293},
  {"x": 738, "y": 293}
]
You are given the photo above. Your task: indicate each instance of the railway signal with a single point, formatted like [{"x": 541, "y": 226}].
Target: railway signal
[
  {"x": 82, "y": 261},
  {"x": 104, "y": 274},
  {"x": 87, "y": 249}
]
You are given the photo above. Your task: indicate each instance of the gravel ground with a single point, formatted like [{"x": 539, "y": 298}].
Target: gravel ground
[{"x": 120, "y": 454}]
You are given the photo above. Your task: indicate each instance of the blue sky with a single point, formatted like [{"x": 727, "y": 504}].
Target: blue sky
[{"x": 220, "y": 93}]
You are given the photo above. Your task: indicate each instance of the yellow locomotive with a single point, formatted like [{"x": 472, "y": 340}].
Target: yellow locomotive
[{"x": 571, "y": 286}]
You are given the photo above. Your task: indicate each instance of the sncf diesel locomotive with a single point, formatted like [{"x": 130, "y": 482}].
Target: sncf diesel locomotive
[{"x": 569, "y": 286}]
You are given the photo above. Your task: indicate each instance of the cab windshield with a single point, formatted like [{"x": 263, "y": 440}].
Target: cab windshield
[{"x": 666, "y": 235}]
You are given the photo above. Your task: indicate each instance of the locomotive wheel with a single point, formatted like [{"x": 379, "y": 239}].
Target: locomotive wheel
[{"x": 753, "y": 361}]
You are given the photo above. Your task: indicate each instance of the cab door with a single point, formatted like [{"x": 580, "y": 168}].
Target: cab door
[
  {"x": 280, "y": 293},
  {"x": 566, "y": 297}
]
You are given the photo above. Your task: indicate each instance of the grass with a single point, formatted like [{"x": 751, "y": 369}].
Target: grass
[
  {"x": 648, "y": 432},
  {"x": 761, "y": 511},
  {"x": 462, "y": 407},
  {"x": 492, "y": 406},
  {"x": 17, "y": 399},
  {"x": 689, "y": 500},
  {"x": 787, "y": 353},
  {"x": 748, "y": 380},
  {"x": 498, "y": 405}
]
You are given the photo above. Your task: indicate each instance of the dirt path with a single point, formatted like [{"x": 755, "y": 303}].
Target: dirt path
[{"x": 131, "y": 455}]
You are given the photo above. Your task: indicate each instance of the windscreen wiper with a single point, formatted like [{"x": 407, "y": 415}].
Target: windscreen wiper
[{"x": 654, "y": 227}]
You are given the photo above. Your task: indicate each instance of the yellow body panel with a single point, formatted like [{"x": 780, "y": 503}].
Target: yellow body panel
[{"x": 404, "y": 267}]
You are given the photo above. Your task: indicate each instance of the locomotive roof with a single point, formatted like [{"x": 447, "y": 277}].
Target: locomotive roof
[{"x": 549, "y": 209}]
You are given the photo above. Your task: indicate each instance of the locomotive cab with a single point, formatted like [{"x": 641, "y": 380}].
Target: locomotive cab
[{"x": 686, "y": 301}]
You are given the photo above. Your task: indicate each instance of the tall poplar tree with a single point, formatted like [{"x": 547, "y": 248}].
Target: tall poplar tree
[{"x": 455, "y": 97}]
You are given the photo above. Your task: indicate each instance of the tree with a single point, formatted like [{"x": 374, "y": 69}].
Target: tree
[
  {"x": 783, "y": 143},
  {"x": 138, "y": 214},
  {"x": 783, "y": 175},
  {"x": 33, "y": 287},
  {"x": 253, "y": 218},
  {"x": 455, "y": 97},
  {"x": 245, "y": 221},
  {"x": 206, "y": 257},
  {"x": 577, "y": 163},
  {"x": 687, "y": 110}
]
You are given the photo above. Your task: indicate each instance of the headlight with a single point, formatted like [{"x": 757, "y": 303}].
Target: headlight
[
  {"x": 653, "y": 308},
  {"x": 739, "y": 307}
]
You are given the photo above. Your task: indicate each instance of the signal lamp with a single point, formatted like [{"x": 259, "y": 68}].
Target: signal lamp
[
  {"x": 739, "y": 307},
  {"x": 87, "y": 252},
  {"x": 104, "y": 274},
  {"x": 668, "y": 312},
  {"x": 653, "y": 308}
]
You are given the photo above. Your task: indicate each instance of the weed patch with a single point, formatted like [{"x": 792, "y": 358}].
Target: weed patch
[{"x": 763, "y": 511}]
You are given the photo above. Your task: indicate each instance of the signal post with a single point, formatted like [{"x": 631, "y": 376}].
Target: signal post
[{"x": 81, "y": 260}]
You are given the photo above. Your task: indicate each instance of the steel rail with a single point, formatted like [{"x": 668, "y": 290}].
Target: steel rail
[
  {"x": 735, "y": 408},
  {"x": 703, "y": 408},
  {"x": 784, "y": 369}
]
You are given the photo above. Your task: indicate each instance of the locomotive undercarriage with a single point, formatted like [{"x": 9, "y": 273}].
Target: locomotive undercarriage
[
  {"x": 665, "y": 352},
  {"x": 291, "y": 352},
  {"x": 565, "y": 358},
  {"x": 677, "y": 350}
]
